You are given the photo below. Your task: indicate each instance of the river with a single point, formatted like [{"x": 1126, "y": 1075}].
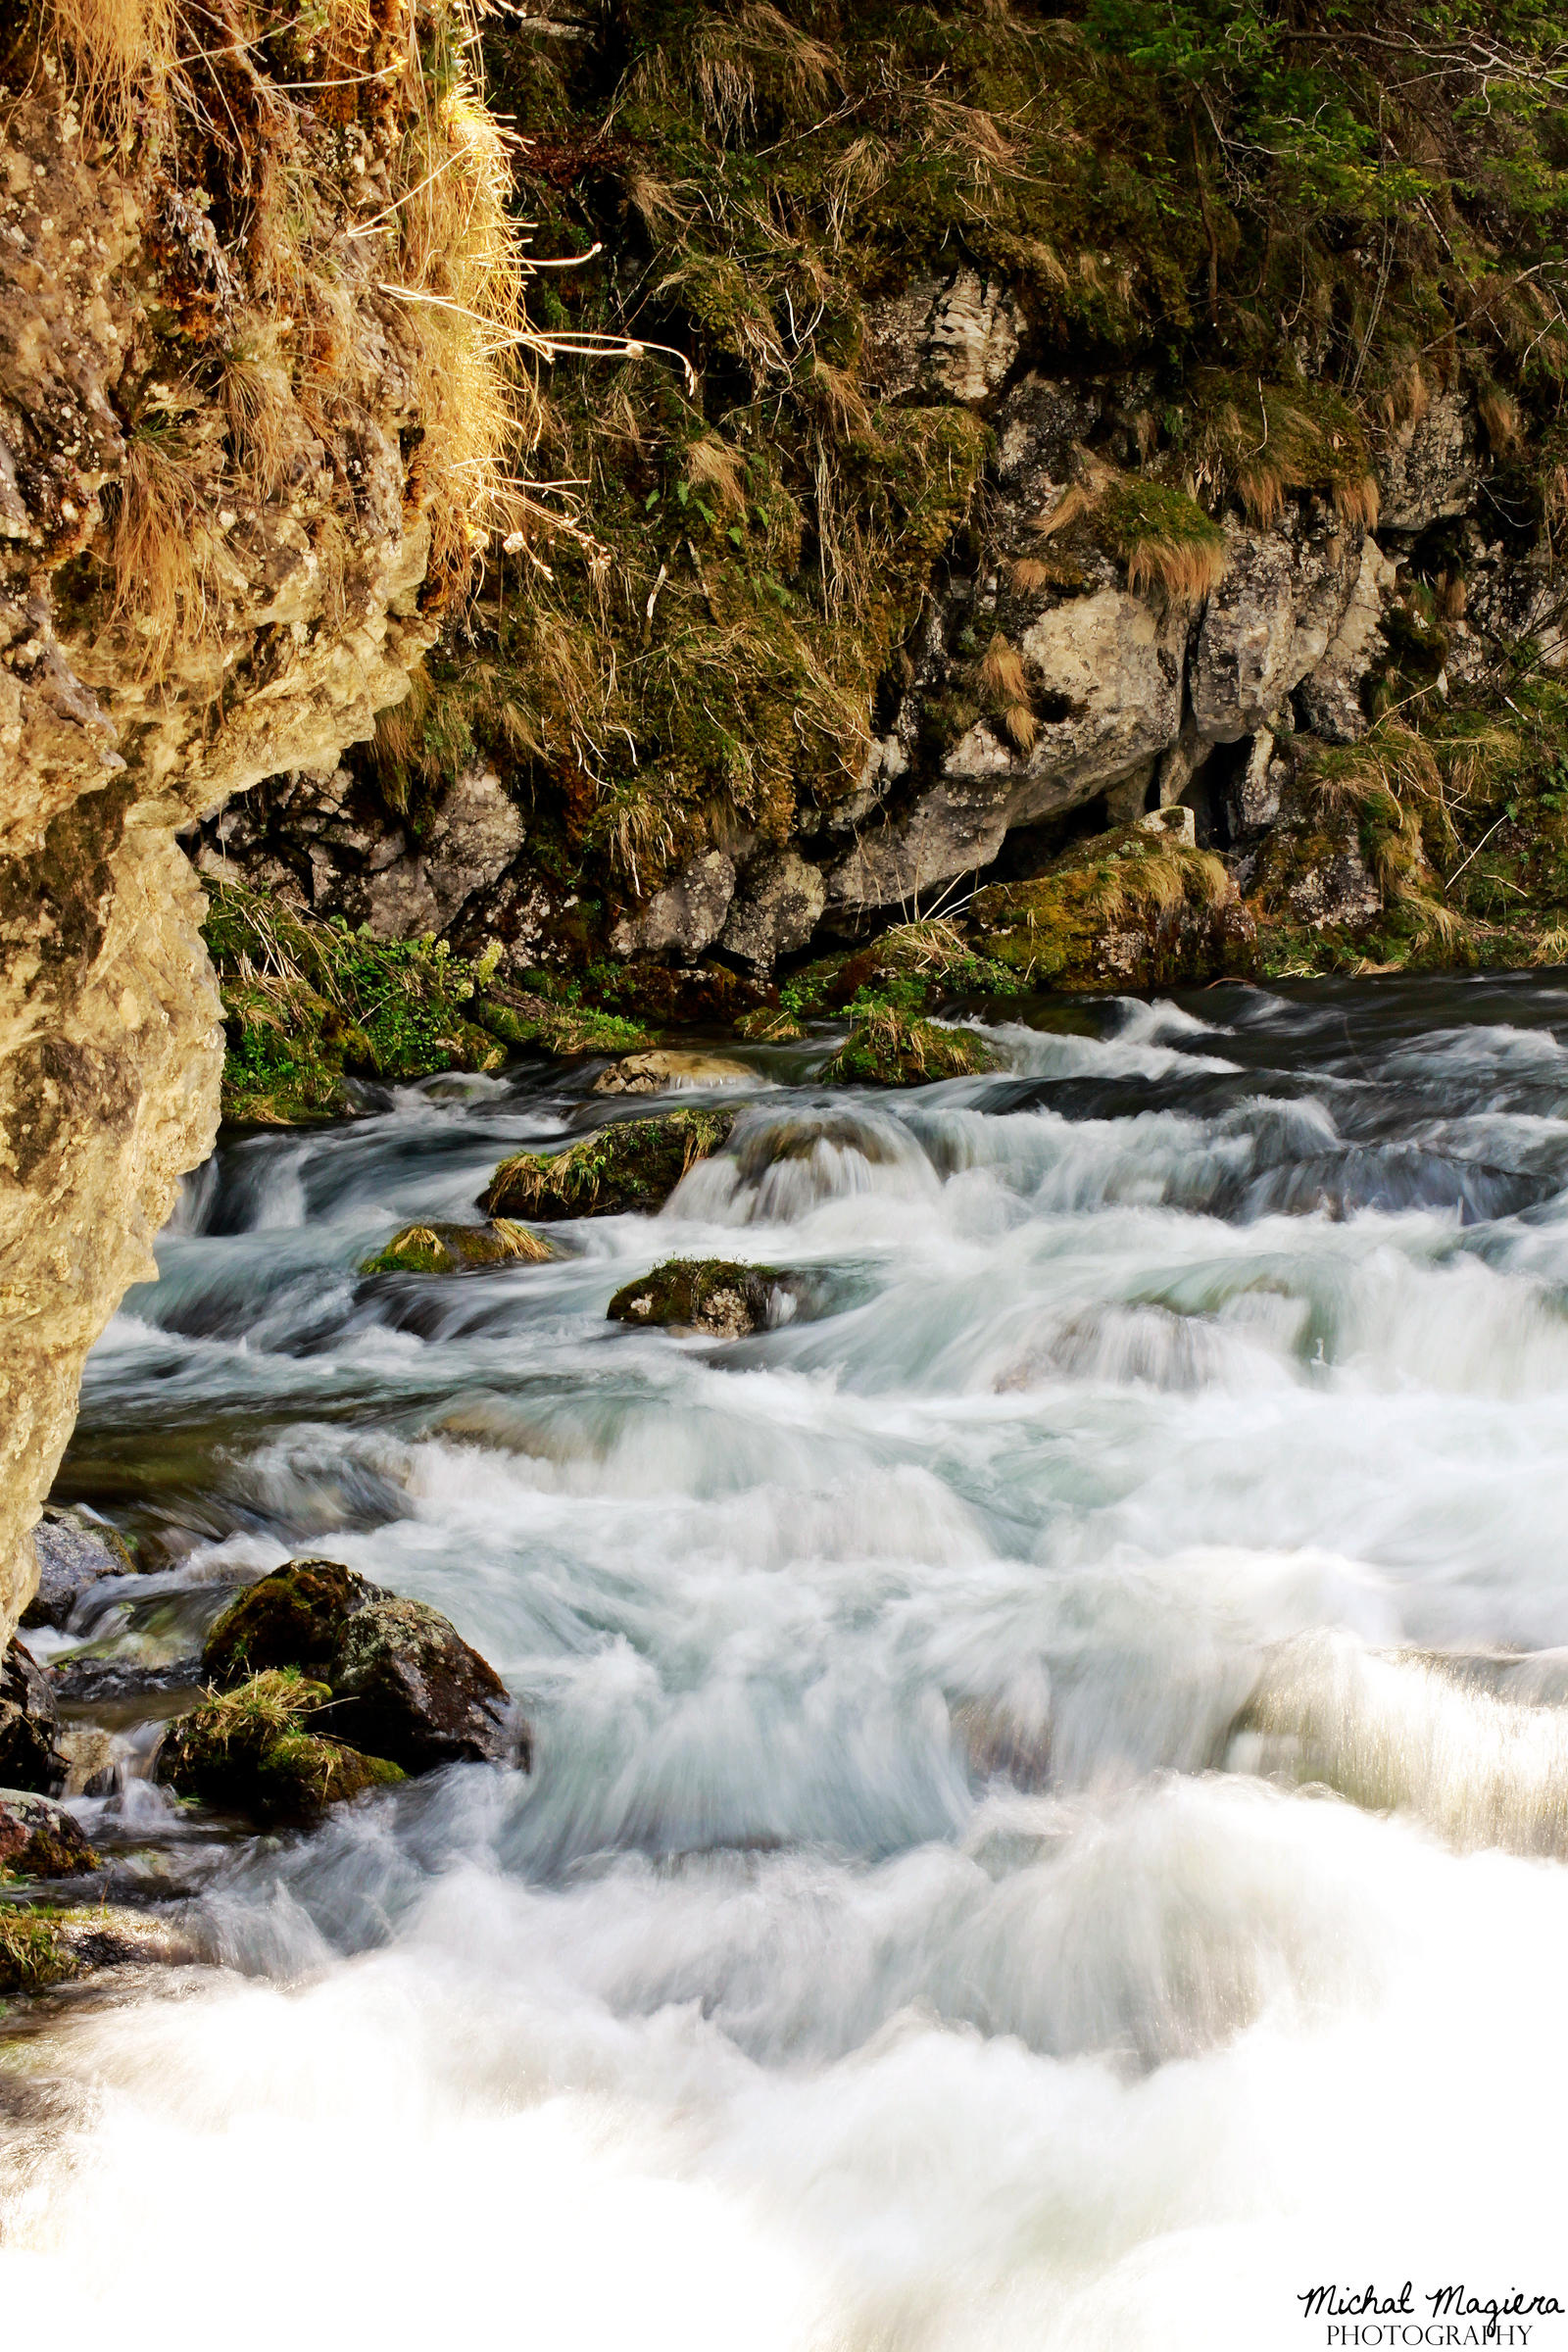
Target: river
[{"x": 1050, "y": 1788}]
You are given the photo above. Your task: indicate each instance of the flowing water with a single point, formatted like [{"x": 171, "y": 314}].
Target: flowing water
[{"x": 1051, "y": 1763}]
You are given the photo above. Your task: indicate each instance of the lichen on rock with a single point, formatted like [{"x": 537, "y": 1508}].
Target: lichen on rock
[{"x": 714, "y": 1295}]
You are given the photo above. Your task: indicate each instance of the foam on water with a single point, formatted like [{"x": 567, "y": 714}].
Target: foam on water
[{"x": 1051, "y": 1783}]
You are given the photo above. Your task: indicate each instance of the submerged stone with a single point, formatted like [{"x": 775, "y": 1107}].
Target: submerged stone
[
  {"x": 28, "y": 1725},
  {"x": 76, "y": 1551},
  {"x": 406, "y": 1685},
  {"x": 293, "y": 1617},
  {"x": 454, "y": 1249},
  {"x": 653, "y": 1073},
  {"x": 248, "y": 1751},
  {"x": 41, "y": 1840},
  {"x": 633, "y": 1164},
  {"x": 711, "y": 1295}
]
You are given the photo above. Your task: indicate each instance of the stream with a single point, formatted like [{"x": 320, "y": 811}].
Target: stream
[{"x": 1051, "y": 1774}]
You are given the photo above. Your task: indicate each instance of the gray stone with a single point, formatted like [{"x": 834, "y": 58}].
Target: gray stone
[
  {"x": 477, "y": 832},
  {"x": 76, "y": 1551},
  {"x": 957, "y": 336},
  {"x": 406, "y": 1686},
  {"x": 1329, "y": 698},
  {"x": 686, "y": 916},
  {"x": 1267, "y": 624},
  {"x": 1429, "y": 468},
  {"x": 776, "y": 910},
  {"x": 28, "y": 1725}
]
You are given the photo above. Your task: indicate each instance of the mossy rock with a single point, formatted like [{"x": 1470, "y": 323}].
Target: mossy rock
[
  {"x": 41, "y": 1840},
  {"x": 247, "y": 1750},
  {"x": 292, "y": 1618},
  {"x": 406, "y": 1683},
  {"x": 889, "y": 1048},
  {"x": 1135, "y": 909},
  {"x": 33, "y": 1955},
  {"x": 568, "y": 1031},
  {"x": 634, "y": 1164},
  {"x": 655, "y": 1073},
  {"x": 456, "y": 1249},
  {"x": 711, "y": 1294}
]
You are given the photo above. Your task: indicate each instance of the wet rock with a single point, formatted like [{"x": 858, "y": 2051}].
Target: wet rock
[
  {"x": 887, "y": 1047},
  {"x": 39, "y": 1949},
  {"x": 711, "y": 1295},
  {"x": 777, "y": 912},
  {"x": 28, "y": 1725},
  {"x": 250, "y": 1750},
  {"x": 76, "y": 1551},
  {"x": 41, "y": 1840},
  {"x": 294, "y": 1617},
  {"x": 653, "y": 1073},
  {"x": 406, "y": 1685},
  {"x": 456, "y": 1249},
  {"x": 686, "y": 916},
  {"x": 1329, "y": 701},
  {"x": 90, "y": 1681},
  {"x": 634, "y": 1164}
]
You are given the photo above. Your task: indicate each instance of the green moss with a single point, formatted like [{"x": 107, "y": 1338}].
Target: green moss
[
  {"x": 632, "y": 1164},
  {"x": 452, "y": 1248},
  {"x": 248, "y": 1751},
  {"x": 1131, "y": 909},
  {"x": 291, "y": 1618},
  {"x": 887, "y": 1047},
  {"x": 561, "y": 1027}
]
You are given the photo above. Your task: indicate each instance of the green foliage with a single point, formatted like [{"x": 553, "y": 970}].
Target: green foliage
[{"x": 32, "y": 1956}]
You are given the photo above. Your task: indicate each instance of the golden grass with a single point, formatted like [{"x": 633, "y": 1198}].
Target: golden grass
[
  {"x": 1001, "y": 671},
  {"x": 1182, "y": 571},
  {"x": 163, "y": 549},
  {"x": 1500, "y": 416},
  {"x": 118, "y": 51}
]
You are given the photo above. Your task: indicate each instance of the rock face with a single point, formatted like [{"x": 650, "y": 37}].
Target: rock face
[
  {"x": 684, "y": 917},
  {"x": 76, "y": 1551},
  {"x": 28, "y": 1725},
  {"x": 198, "y": 588}
]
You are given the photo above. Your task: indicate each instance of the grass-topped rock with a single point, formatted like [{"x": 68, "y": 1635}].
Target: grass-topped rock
[
  {"x": 887, "y": 1046},
  {"x": 255, "y": 1750},
  {"x": 41, "y": 1840},
  {"x": 457, "y": 1248},
  {"x": 711, "y": 1294},
  {"x": 1141, "y": 906},
  {"x": 40, "y": 1949},
  {"x": 633, "y": 1164}
]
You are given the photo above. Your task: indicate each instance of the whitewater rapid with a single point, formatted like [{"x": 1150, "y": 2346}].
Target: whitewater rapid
[{"x": 1050, "y": 1795}]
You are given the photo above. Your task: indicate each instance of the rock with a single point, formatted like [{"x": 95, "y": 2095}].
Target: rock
[
  {"x": 1428, "y": 469},
  {"x": 711, "y": 1295},
  {"x": 635, "y": 1165},
  {"x": 654, "y": 1074},
  {"x": 293, "y": 1617},
  {"x": 456, "y": 1248},
  {"x": 1267, "y": 624},
  {"x": 1138, "y": 909},
  {"x": 1329, "y": 700},
  {"x": 478, "y": 831},
  {"x": 39, "y": 1948},
  {"x": 76, "y": 1551},
  {"x": 247, "y": 1750},
  {"x": 1255, "y": 798},
  {"x": 959, "y": 336},
  {"x": 41, "y": 1840},
  {"x": 777, "y": 912},
  {"x": 28, "y": 1725},
  {"x": 685, "y": 916},
  {"x": 1310, "y": 868},
  {"x": 885, "y": 1048},
  {"x": 90, "y": 1681},
  {"x": 406, "y": 1685}
]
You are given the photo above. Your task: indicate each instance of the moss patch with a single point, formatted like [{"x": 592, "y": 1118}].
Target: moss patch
[
  {"x": 294, "y": 1618},
  {"x": 1132, "y": 908},
  {"x": 887, "y": 1047},
  {"x": 32, "y": 1954},
  {"x": 633, "y": 1164}
]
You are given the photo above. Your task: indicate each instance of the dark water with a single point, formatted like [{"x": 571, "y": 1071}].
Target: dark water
[{"x": 1051, "y": 1774}]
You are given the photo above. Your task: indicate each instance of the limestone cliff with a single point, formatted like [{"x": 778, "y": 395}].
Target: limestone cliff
[{"x": 219, "y": 497}]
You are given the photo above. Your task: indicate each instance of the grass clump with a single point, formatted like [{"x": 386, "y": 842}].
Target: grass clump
[
  {"x": 556, "y": 1024},
  {"x": 309, "y": 1004},
  {"x": 450, "y": 1248},
  {"x": 248, "y": 1751},
  {"x": 32, "y": 1954},
  {"x": 634, "y": 1164},
  {"x": 887, "y": 1046}
]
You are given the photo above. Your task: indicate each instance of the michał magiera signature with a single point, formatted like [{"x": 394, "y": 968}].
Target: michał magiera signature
[{"x": 1366, "y": 2316}]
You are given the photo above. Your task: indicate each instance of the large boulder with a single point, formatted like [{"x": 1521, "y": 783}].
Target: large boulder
[
  {"x": 28, "y": 1725},
  {"x": 1268, "y": 623},
  {"x": 657, "y": 1072},
  {"x": 406, "y": 1685},
  {"x": 41, "y": 1840},
  {"x": 76, "y": 1551},
  {"x": 633, "y": 1164}
]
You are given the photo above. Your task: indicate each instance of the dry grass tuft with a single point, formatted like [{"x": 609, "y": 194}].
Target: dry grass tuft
[
  {"x": 718, "y": 468},
  {"x": 1500, "y": 416},
  {"x": 119, "y": 53},
  {"x": 1029, "y": 574},
  {"x": 1001, "y": 671}
]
